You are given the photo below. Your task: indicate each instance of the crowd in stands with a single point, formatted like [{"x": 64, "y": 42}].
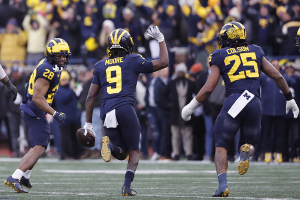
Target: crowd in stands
[{"x": 190, "y": 28}]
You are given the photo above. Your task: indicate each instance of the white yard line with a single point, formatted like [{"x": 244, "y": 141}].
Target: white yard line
[{"x": 137, "y": 172}]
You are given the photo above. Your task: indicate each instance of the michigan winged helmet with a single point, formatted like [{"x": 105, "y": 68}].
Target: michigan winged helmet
[
  {"x": 57, "y": 47},
  {"x": 232, "y": 32},
  {"x": 120, "y": 39}
]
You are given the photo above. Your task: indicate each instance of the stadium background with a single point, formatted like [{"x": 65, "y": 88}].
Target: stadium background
[{"x": 190, "y": 28}]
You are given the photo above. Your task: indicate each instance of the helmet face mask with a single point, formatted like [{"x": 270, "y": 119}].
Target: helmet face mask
[
  {"x": 120, "y": 39},
  {"x": 232, "y": 32},
  {"x": 54, "y": 50}
]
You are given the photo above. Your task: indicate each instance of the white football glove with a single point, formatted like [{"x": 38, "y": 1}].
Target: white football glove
[
  {"x": 89, "y": 127},
  {"x": 154, "y": 32},
  {"x": 291, "y": 104},
  {"x": 188, "y": 110}
]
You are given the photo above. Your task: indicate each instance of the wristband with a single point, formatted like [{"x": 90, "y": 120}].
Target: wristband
[
  {"x": 2, "y": 73},
  {"x": 194, "y": 103},
  {"x": 288, "y": 96}
]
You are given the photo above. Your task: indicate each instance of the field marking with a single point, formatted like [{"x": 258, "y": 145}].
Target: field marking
[
  {"x": 137, "y": 172},
  {"x": 56, "y": 160}
]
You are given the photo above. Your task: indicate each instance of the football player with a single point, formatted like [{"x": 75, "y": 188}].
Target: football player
[
  {"x": 40, "y": 91},
  {"x": 7, "y": 83},
  {"x": 117, "y": 76},
  {"x": 240, "y": 64}
]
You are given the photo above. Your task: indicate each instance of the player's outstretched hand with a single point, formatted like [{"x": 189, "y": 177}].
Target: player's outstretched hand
[
  {"x": 11, "y": 89},
  {"x": 188, "y": 110},
  {"x": 59, "y": 116},
  {"x": 154, "y": 32},
  {"x": 291, "y": 104},
  {"x": 89, "y": 127}
]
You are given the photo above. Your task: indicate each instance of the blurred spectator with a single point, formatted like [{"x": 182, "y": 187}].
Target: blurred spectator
[
  {"x": 141, "y": 113},
  {"x": 88, "y": 28},
  {"x": 107, "y": 27},
  {"x": 109, "y": 9},
  {"x": 15, "y": 120},
  {"x": 286, "y": 33},
  {"x": 152, "y": 115},
  {"x": 163, "y": 114},
  {"x": 8, "y": 11},
  {"x": 93, "y": 152},
  {"x": 177, "y": 93},
  {"x": 70, "y": 31},
  {"x": 292, "y": 124},
  {"x": 129, "y": 25},
  {"x": 273, "y": 118},
  {"x": 169, "y": 23},
  {"x": 35, "y": 26},
  {"x": 66, "y": 102},
  {"x": 12, "y": 44},
  {"x": 4, "y": 101}
]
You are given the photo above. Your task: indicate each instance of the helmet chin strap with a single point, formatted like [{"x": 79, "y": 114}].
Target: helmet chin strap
[{"x": 58, "y": 69}]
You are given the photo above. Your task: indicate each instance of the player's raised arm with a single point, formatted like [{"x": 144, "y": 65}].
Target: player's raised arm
[
  {"x": 163, "y": 60},
  {"x": 203, "y": 94},
  {"x": 7, "y": 83},
  {"x": 271, "y": 71}
]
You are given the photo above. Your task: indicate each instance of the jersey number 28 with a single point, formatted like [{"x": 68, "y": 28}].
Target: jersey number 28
[
  {"x": 117, "y": 79},
  {"x": 237, "y": 62}
]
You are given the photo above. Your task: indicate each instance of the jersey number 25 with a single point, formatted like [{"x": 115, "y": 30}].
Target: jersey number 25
[{"x": 237, "y": 62}]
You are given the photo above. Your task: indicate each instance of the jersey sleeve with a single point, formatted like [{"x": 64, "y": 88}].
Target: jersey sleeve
[
  {"x": 143, "y": 66},
  {"x": 261, "y": 52},
  {"x": 46, "y": 72},
  {"x": 96, "y": 78},
  {"x": 213, "y": 59}
]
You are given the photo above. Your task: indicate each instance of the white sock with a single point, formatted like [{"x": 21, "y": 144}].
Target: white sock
[
  {"x": 18, "y": 174},
  {"x": 27, "y": 174}
]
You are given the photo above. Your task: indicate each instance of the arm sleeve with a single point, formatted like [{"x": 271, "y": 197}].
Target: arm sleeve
[
  {"x": 143, "y": 66},
  {"x": 213, "y": 59},
  {"x": 96, "y": 78},
  {"x": 2, "y": 73},
  {"x": 26, "y": 23}
]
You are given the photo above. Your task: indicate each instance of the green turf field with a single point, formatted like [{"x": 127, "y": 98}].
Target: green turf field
[{"x": 94, "y": 179}]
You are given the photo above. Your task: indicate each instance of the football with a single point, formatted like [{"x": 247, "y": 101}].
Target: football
[{"x": 85, "y": 138}]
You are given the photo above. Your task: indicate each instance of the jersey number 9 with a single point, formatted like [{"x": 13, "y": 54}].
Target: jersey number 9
[
  {"x": 117, "y": 79},
  {"x": 237, "y": 62}
]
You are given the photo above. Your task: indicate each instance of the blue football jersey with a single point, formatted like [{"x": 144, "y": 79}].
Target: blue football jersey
[
  {"x": 44, "y": 70},
  {"x": 240, "y": 68},
  {"x": 118, "y": 77}
]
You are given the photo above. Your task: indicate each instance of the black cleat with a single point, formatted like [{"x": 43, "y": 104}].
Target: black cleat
[
  {"x": 128, "y": 192},
  {"x": 15, "y": 184},
  {"x": 24, "y": 181},
  {"x": 220, "y": 193}
]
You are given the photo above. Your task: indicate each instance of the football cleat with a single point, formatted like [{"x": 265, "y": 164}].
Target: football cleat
[
  {"x": 15, "y": 184},
  {"x": 278, "y": 158},
  {"x": 220, "y": 193},
  {"x": 128, "y": 192},
  {"x": 24, "y": 181},
  {"x": 268, "y": 157},
  {"x": 105, "y": 151},
  {"x": 244, "y": 159}
]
